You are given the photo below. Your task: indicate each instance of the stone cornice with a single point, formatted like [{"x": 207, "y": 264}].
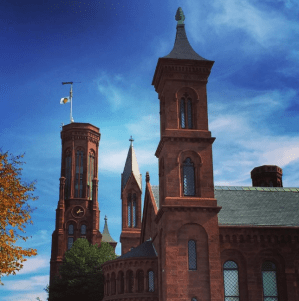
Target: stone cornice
[
  {"x": 81, "y": 135},
  {"x": 165, "y": 139},
  {"x": 181, "y": 208}
]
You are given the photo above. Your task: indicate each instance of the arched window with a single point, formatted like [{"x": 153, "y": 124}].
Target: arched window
[
  {"x": 269, "y": 281},
  {"x": 195, "y": 299},
  {"x": 68, "y": 174},
  {"x": 192, "y": 255},
  {"x": 186, "y": 113},
  {"x": 188, "y": 177},
  {"x": 90, "y": 174},
  {"x": 113, "y": 284},
  {"x": 83, "y": 230},
  {"x": 130, "y": 281},
  {"x": 182, "y": 113},
  {"x": 70, "y": 242},
  {"x": 189, "y": 113},
  {"x": 71, "y": 229},
  {"x": 231, "y": 281},
  {"x": 140, "y": 278},
  {"x": 121, "y": 282},
  {"x": 79, "y": 174},
  {"x": 151, "y": 281},
  {"x": 129, "y": 210},
  {"x": 108, "y": 285},
  {"x": 134, "y": 211}
]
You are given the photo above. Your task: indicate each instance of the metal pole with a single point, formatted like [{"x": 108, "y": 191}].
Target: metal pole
[{"x": 71, "y": 96}]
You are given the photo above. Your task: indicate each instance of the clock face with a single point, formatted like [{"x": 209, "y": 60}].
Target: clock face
[{"x": 78, "y": 211}]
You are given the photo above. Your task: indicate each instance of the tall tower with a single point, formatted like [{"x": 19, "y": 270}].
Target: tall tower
[
  {"x": 77, "y": 213},
  {"x": 131, "y": 202},
  {"x": 187, "y": 218}
]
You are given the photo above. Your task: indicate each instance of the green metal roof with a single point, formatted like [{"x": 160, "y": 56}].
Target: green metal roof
[{"x": 255, "y": 206}]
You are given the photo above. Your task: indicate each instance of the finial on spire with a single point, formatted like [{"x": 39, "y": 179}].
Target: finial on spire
[
  {"x": 180, "y": 17},
  {"x": 131, "y": 140},
  {"x": 147, "y": 177},
  {"x": 105, "y": 218}
]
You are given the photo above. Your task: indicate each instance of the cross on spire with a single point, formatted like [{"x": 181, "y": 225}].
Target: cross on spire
[
  {"x": 105, "y": 218},
  {"x": 131, "y": 140}
]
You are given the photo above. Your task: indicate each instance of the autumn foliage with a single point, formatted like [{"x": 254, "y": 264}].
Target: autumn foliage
[{"x": 14, "y": 214}]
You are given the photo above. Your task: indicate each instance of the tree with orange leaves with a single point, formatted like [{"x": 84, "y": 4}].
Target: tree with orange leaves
[{"x": 14, "y": 214}]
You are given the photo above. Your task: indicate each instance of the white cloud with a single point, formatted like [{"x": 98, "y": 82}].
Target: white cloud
[
  {"x": 26, "y": 285},
  {"x": 34, "y": 264},
  {"x": 27, "y": 297}
]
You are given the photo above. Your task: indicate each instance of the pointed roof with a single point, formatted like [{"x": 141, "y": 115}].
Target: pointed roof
[
  {"x": 106, "y": 237},
  {"x": 182, "y": 49},
  {"x": 131, "y": 166},
  {"x": 146, "y": 249}
]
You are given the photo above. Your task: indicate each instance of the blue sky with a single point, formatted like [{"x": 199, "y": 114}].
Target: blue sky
[{"x": 112, "y": 48}]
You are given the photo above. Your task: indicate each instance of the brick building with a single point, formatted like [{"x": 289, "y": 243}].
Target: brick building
[{"x": 195, "y": 241}]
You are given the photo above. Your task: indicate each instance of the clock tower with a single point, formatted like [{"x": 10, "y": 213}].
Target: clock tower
[{"x": 77, "y": 213}]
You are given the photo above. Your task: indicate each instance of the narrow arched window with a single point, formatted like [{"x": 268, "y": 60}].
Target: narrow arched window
[
  {"x": 71, "y": 229},
  {"x": 134, "y": 211},
  {"x": 79, "y": 174},
  {"x": 108, "y": 285},
  {"x": 140, "y": 277},
  {"x": 189, "y": 113},
  {"x": 192, "y": 255},
  {"x": 130, "y": 281},
  {"x": 68, "y": 174},
  {"x": 121, "y": 282},
  {"x": 129, "y": 209},
  {"x": 83, "y": 230},
  {"x": 182, "y": 113},
  {"x": 231, "y": 281},
  {"x": 70, "y": 242},
  {"x": 113, "y": 284},
  {"x": 188, "y": 177},
  {"x": 151, "y": 281},
  {"x": 90, "y": 174},
  {"x": 269, "y": 281}
]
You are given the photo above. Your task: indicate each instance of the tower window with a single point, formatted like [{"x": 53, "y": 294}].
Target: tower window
[
  {"x": 71, "y": 229},
  {"x": 192, "y": 255},
  {"x": 129, "y": 209},
  {"x": 83, "y": 230},
  {"x": 269, "y": 281},
  {"x": 140, "y": 277},
  {"x": 121, "y": 282},
  {"x": 186, "y": 113},
  {"x": 151, "y": 281},
  {"x": 134, "y": 211},
  {"x": 130, "y": 281},
  {"x": 70, "y": 242},
  {"x": 68, "y": 174},
  {"x": 188, "y": 177},
  {"x": 231, "y": 281},
  {"x": 90, "y": 174},
  {"x": 182, "y": 113},
  {"x": 79, "y": 174}
]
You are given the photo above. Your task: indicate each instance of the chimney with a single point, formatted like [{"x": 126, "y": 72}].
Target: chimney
[{"x": 267, "y": 176}]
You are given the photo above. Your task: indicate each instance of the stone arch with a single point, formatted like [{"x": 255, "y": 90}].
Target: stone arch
[
  {"x": 276, "y": 257},
  {"x": 196, "y": 232},
  {"x": 238, "y": 257},
  {"x": 197, "y": 161}
]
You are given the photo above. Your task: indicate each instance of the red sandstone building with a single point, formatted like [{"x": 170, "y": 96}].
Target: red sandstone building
[{"x": 195, "y": 241}]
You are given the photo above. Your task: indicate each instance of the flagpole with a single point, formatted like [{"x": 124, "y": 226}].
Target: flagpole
[{"x": 71, "y": 97}]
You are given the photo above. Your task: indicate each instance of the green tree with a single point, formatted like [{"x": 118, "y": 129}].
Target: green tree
[
  {"x": 14, "y": 213},
  {"x": 81, "y": 276}
]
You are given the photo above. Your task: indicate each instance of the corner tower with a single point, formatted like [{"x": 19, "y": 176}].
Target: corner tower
[
  {"x": 131, "y": 202},
  {"x": 77, "y": 213},
  {"x": 187, "y": 217}
]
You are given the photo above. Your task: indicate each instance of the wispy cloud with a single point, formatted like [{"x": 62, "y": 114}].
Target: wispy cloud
[
  {"x": 34, "y": 264},
  {"x": 26, "y": 285}
]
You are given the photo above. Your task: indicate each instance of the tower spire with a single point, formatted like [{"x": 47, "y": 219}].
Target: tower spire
[
  {"x": 182, "y": 49},
  {"x": 131, "y": 166}
]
